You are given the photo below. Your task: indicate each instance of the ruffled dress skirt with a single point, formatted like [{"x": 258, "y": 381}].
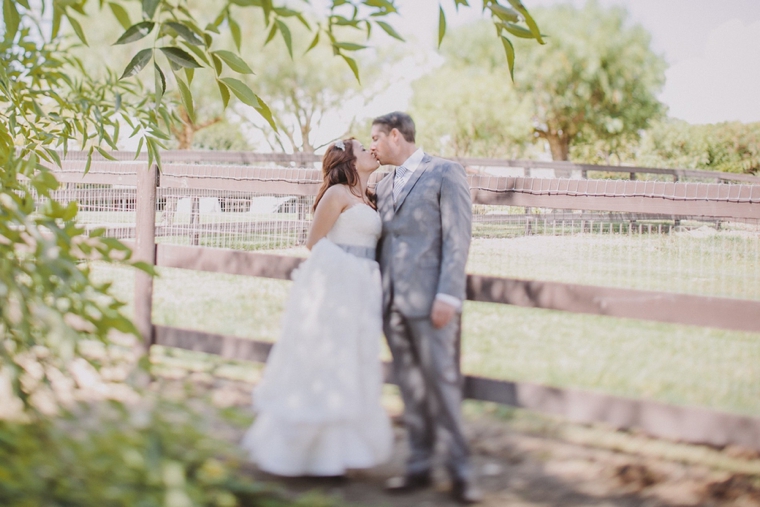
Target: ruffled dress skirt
[{"x": 318, "y": 404}]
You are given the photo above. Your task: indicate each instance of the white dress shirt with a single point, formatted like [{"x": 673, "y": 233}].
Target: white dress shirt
[{"x": 411, "y": 164}]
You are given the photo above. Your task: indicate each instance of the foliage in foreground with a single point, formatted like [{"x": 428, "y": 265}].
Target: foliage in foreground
[{"x": 158, "y": 453}]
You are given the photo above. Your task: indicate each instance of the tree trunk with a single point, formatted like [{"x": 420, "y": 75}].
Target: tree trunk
[
  {"x": 184, "y": 135},
  {"x": 186, "y": 132},
  {"x": 559, "y": 145}
]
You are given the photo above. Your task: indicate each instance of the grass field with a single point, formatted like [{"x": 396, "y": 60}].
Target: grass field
[
  {"x": 695, "y": 262},
  {"x": 670, "y": 363}
]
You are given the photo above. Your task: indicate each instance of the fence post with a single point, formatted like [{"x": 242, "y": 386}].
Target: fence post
[
  {"x": 145, "y": 251},
  {"x": 195, "y": 221}
]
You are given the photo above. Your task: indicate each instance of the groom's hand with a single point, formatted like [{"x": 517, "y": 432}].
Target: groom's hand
[{"x": 441, "y": 314}]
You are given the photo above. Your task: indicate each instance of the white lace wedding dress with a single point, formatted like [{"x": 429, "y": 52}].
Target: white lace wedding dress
[{"x": 318, "y": 404}]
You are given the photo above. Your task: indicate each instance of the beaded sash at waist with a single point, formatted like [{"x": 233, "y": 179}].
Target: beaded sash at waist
[{"x": 365, "y": 252}]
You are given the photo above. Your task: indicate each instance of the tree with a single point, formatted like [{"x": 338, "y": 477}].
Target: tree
[
  {"x": 468, "y": 106},
  {"x": 49, "y": 304},
  {"x": 51, "y": 100},
  {"x": 306, "y": 92},
  {"x": 593, "y": 84},
  {"x": 729, "y": 147},
  {"x": 596, "y": 79}
]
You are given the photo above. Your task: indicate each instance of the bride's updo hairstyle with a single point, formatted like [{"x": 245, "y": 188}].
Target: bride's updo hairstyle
[{"x": 339, "y": 168}]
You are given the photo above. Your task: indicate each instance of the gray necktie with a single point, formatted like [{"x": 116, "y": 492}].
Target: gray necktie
[{"x": 398, "y": 182}]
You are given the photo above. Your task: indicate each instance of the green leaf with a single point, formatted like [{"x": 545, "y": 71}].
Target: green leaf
[
  {"x": 517, "y": 30},
  {"x": 313, "y": 43},
  {"x": 11, "y": 19},
  {"x": 505, "y": 13},
  {"x": 285, "y": 31},
  {"x": 144, "y": 266},
  {"x": 89, "y": 160},
  {"x": 235, "y": 31},
  {"x": 233, "y": 61},
  {"x": 190, "y": 73},
  {"x": 354, "y": 68},
  {"x": 135, "y": 32},
  {"x": 389, "y": 30},
  {"x": 224, "y": 92},
  {"x": 383, "y": 4},
  {"x": 105, "y": 154},
  {"x": 154, "y": 154},
  {"x": 160, "y": 82},
  {"x": 441, "y": 25},
  {"x": 77, "y": 28},
  {"x": 218, "y": 67},
  {"x": 137, "y": 64},
  {"x": 517, "y": 4},
  {"x": 272, "y": 33},
  {"x": 121, "y": 14},
  {"x": 54, "y": 155},
  {"x": 510, "y": 50},
  {"x": 139, "y": 147},
  {"x": 267, "y": 6},
  {"x": 57, "y": 15},
  {"x": 198, "y": 52},
  {"x": 246, "y": 96},
  {"x": 179, "y": 57},
  {"x": 241, "y": 91},
  {"x": 70, "y": 211},
  {"x": 185, "y": 32},
  {"x": 187, "y": 98},
  {"x": 149, "y": 8},
  {"x": 349, "y": 46},
  {"x": 221, "y": 17}
]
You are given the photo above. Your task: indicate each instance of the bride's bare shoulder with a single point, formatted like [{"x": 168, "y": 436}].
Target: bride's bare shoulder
[{"x": 337, "y": 195}]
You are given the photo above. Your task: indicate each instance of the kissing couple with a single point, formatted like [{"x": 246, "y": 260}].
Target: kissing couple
[{"x": 391, "y": 261}]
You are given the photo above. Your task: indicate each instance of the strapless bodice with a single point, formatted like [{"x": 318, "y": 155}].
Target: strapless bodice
[{"x": 359, "y": 225}]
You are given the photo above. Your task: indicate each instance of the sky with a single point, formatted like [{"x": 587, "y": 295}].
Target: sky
[{"x": 712, "y": 48}]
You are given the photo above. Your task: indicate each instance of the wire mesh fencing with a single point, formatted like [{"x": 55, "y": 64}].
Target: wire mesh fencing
[
  {"x": 269, "y": 209},
  {"x": 227, "y": 219},
  {"x": 694, "y": 255}
]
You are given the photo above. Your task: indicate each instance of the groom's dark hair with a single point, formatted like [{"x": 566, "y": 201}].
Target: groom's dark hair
[{"x": 399, "y": 121}]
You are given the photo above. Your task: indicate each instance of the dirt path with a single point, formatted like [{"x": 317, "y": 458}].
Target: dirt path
[
  {"x": 528, "y": 460},
  {"x": 518, "y": 469}
]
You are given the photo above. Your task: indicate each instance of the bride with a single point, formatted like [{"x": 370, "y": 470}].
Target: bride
[{"x": 318, "y": 404}]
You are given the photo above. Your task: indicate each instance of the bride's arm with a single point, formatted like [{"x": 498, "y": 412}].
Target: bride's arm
[{"x": 332, "y": 204}]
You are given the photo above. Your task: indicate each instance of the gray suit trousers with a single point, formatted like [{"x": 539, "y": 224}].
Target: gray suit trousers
[{"x": 425, "y": 367}]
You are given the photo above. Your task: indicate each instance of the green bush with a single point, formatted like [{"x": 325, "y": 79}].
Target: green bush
[
  {"x": 157, "y": 453},
  {"x": 728, "y": 147}
]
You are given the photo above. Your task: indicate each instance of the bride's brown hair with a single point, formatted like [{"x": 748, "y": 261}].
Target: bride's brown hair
[{"x": 339, "y": 168}]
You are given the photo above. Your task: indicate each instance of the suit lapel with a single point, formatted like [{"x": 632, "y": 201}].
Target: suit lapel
[{"x": 412, "y": 181}]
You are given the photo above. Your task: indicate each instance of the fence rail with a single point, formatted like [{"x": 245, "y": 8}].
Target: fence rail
[
  {"x": 647, "y": 197},
  {"x": 695, "y": 425},
  {"x": 686, "y": 424},
  {"x": 310, "y": 159}
]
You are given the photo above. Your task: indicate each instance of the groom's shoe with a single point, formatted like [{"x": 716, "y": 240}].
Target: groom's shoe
[
  {"x": 408, "y": 483},
  {"x": 466, "y": 491}
]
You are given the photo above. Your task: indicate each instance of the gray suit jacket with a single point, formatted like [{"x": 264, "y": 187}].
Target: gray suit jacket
[{"x": 426, "y": 236}]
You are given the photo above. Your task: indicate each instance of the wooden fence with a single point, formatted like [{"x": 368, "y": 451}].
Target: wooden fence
[
  {"x": 689, "y": 424},
  {"x": 564, "y": 169}
]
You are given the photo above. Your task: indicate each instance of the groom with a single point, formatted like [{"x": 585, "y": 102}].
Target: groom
[{"x": 427, "y": 213}]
